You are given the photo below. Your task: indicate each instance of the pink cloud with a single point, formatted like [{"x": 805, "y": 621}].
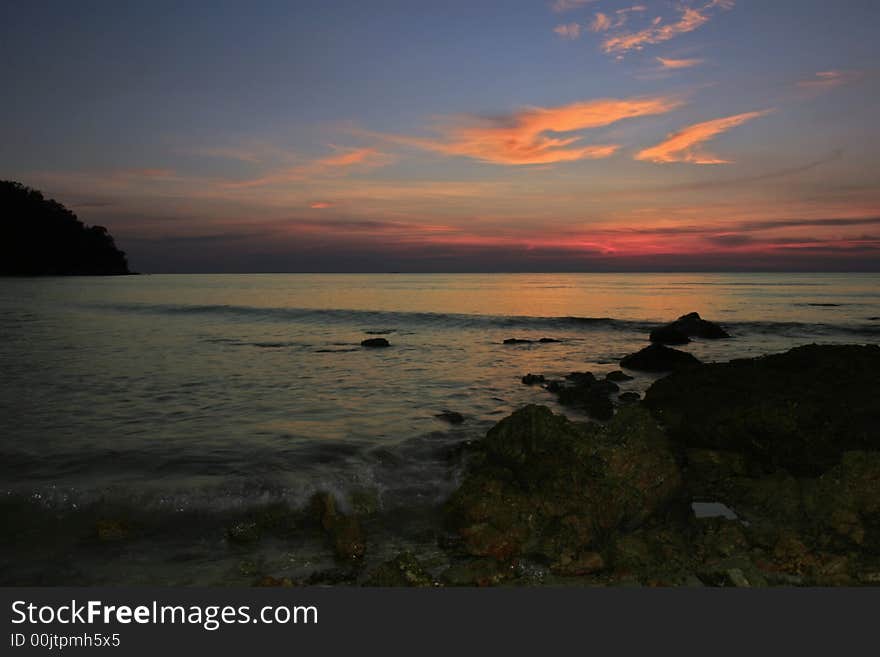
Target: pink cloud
[{"x": 568, "y": 31}]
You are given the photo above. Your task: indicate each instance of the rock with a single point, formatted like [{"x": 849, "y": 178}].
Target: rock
[
  {"x": 618, "y": 377},
  {"x": 243, "y": 531},
  {"x": 657, "y": 358},
  {"x": 548, "y": 340},
  {"x": 629, "y": 397},
  {"x": 532, "y": 379},
  {"x": 343, "y": 531},
  {"x": 583, "y": 564},
  {"x": 586, "y": 393},
  {"x": 548, "y": 486},
  {"x": 517, "y": 341},
  {"x": 403, "y": 570},
  {"x": 269, "y": 581},
  {"x": 111, "y": 530},
  {"x": 669, "y": 335},
  {"x": 450, "y": 416},
  {"x": 375, "y": 343},
  {"x": 685, "y": 327},
  {"x": 476, "y": 572},
  {"x": 845, "y": 501},
  {"x": 800, "y": 410}
]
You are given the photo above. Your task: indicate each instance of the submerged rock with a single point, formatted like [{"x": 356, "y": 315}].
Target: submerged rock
[
  {"x": 532, "y": 379},
  {"x": 618, "y": 377},
  {"x": 375, "y": 343},
  {"x": 450, "y": 416},
  {"x": 799, "y": 410},
  {"x": 629, "y": 397},
  {"x": 582, "y": 390},
  {"x": 685, "y": 327},
  {"x": 549, "y": 487},
  {"x": 657, "y": 358},
  {"x": 517, "y": 341}
]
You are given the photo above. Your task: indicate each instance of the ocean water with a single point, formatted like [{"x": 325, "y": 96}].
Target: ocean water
[{"x": 180, "y": 402}]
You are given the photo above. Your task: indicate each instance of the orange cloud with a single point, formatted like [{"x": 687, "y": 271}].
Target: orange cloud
[
  {"x": 601, "y": 22},
  {"x": 825, "y": 80},
  {"x": 320, "y": 205},
  {"x": 658, "y": 32},
  {"x": 533, "y": 135},
  {"x": 568, "y": 31},
  {"x": 667, "y": 62},
  {"x": 679, "y": 146}
]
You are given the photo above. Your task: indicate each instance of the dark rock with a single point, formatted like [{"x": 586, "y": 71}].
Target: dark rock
[
  {"x": 548, "y": 340},
  {"x": 581, "y": 378},
  {"x": 657, "y": 358},
  {"x": 450, "y": 416},
  {"x": 548, "y": 486},
  {"x": 629, "y": 397},
  {"x": 586, "y": 393},
  {"x": 517, "y": 341},
  {"x": 375, "y": 342},
  {"x": 799, "y": 410},
  {"x": 618, "y": 377},
  {"x": 403, "y": 570},
  {"x": 669, "y": 334},
  {"x": 685, "y": 327},
  {"x": 532, "y": 379}
]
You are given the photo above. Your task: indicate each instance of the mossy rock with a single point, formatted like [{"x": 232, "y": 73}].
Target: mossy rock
[{"x": 550, "y": 487}]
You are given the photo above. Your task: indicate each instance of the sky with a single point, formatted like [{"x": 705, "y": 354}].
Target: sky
[{"x": 514, "y": 135}]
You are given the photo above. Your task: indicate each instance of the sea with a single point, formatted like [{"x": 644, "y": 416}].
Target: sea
[{"x": 176, "y": 404}]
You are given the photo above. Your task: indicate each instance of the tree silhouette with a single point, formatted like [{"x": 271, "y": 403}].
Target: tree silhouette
[{"x": 41, "y": 237}]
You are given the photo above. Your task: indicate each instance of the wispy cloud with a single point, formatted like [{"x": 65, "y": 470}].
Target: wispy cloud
[
  {"x": 826, "y": 80},
  {"x": 658, "y": 31},
  {"x": 341, "y": 162},
  {"x": 668, "y": 62},
  {"x": 679, "y": 146},
  {"x": 534, "y": 135},
  {"x": 320, "y": 205},
  {"x": 560, "y": 6},
  {"x": 568, "y": 30}
]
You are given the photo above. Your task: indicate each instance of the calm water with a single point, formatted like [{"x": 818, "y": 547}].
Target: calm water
[{"x": 210, "y": 394}]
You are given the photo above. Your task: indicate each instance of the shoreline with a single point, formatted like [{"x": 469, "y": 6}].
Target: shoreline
[{"x": 788, "y": 525}]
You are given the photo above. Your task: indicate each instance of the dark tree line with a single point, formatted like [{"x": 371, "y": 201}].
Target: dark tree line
[{"x": 39, "y": 236}]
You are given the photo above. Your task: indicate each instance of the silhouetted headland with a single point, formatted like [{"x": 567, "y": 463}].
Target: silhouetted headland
[{"x": 43, "y": 238}]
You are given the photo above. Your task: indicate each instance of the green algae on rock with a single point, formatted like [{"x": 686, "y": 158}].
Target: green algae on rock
[{"x": 542, "y": 485}]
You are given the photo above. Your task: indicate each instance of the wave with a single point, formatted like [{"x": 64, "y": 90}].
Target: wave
[{"x": 384, "y": 322}]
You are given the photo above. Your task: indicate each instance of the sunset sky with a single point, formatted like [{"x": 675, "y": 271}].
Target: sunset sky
[{"x": 515, "y": 135}]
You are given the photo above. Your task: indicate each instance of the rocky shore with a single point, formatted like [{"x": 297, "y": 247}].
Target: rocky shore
[{"x": 756, "y": 472}]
